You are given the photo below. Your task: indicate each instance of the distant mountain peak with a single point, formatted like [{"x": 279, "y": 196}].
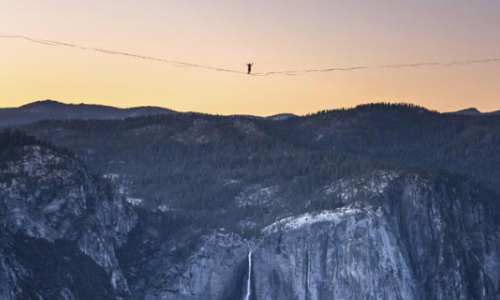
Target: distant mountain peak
[
  {"x": 471, "y": 111},
  {"x": 43, "y": 103}
]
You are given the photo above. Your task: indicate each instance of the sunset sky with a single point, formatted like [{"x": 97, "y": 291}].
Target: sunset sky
[{"x": 275, "y": 34}]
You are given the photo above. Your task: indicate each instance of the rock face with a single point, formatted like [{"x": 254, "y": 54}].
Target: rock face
[
  {"x": 49, "y": 199},
  {"x": 395, "y": 237},
  {"x": 420, "y": 241},
  {"x": 212, "y": 271}
]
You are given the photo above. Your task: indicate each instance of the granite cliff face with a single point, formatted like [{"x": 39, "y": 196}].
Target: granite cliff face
[
  {"x": 394, "y": 237},
  {"x": 49, "y": 199},
  {"x": 417, "y": 240}
]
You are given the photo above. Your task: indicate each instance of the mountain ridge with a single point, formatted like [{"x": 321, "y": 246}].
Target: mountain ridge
[
  {"x": 472, "y": 111},
  {"x": 54, "y": 110}
]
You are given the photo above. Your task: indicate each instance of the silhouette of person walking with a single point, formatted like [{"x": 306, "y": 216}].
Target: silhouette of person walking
[{"x": 249, "y": 68}]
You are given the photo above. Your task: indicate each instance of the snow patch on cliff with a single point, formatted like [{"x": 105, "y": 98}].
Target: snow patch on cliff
[
  {"x": 111, "y": 176},
  {"x": 134, "y": 201},
  {"x": 332, "y": 216},
  {"x": 370, "y": 185}
]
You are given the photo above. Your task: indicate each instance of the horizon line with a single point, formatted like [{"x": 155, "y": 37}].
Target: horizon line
[{"x": 246, "y": 114}]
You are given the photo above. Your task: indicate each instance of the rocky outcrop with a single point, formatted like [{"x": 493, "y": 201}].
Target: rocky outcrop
[
  {"x": 213, "y": 269},
  {"x": 419, "y": 240},
  {"x": 48, "y": 195}
]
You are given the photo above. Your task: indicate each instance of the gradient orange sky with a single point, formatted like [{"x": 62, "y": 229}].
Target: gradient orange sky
[{"x": 275, "y": 34}]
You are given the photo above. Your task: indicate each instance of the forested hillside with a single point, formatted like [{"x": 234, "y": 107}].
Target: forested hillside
[{"x": 158, "y": 157}]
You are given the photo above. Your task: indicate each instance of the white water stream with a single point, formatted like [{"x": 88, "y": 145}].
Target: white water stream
[{"x": 249, "y": 280}]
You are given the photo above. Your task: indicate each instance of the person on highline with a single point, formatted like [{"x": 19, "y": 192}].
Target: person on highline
[{"x": 249, "y": 68}]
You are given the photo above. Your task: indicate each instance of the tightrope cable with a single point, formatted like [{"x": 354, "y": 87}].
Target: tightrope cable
[{"x": 285, "y": 73}]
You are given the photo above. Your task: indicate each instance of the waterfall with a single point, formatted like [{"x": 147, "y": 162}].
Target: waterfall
[{"x": 249, "y": 280}]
